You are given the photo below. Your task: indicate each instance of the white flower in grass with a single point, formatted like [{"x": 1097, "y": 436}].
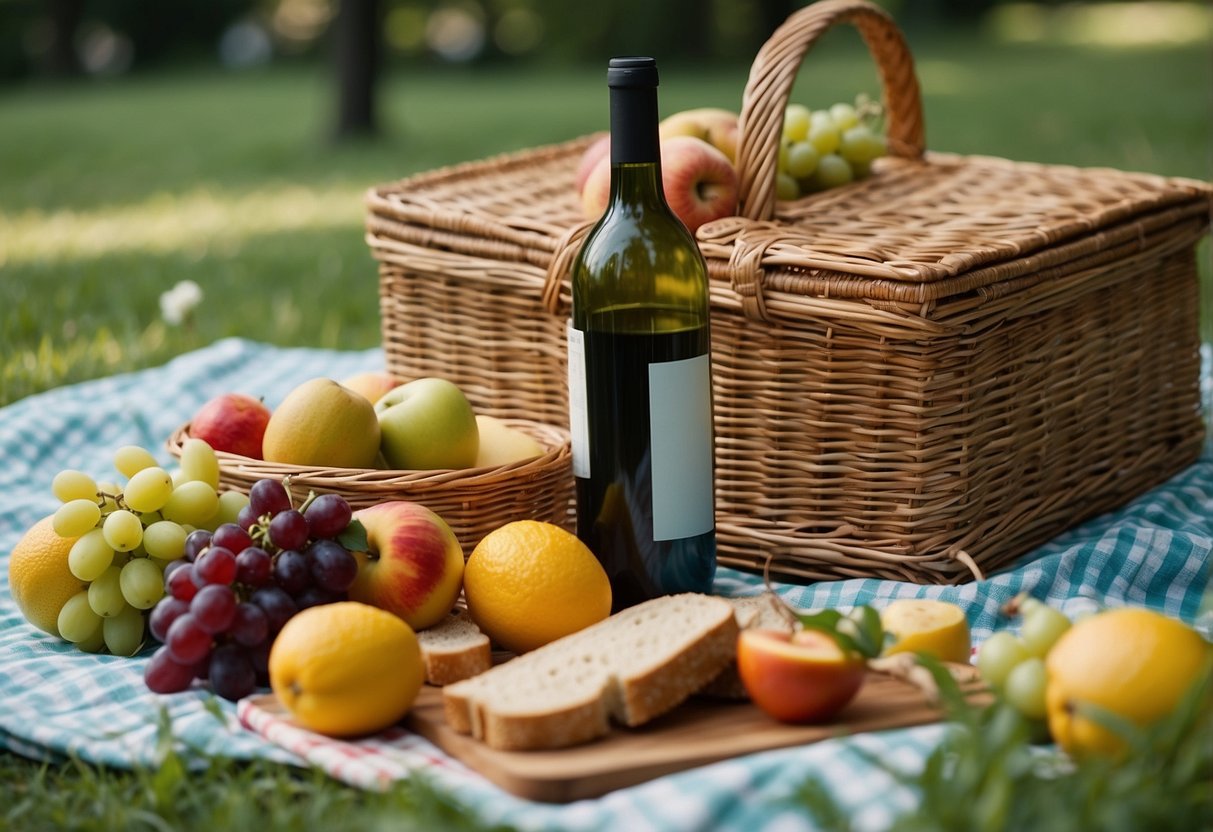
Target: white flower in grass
[{"x": 178, "y": 302}]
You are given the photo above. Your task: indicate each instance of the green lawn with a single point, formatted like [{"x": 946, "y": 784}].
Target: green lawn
[{"x": 112, "y": 192}]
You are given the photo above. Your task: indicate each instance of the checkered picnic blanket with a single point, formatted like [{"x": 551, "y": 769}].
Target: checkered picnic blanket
[{"x": 55, "y": 700}]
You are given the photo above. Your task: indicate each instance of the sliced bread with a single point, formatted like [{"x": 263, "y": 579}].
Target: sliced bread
[
  {"x": 454, "y": 649},
  {"x": 754, "y": 611},
  {"x": 632, "y": 667}
]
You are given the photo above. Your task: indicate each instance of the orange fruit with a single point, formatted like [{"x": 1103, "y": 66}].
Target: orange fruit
[
  {"x": 39, "y": 577},
  {"x": 922, "y": 625},
  {"x": 1135, "y": 663},
  {"x": 346, "y": 669},
  {"x": 528, "y": 583}
]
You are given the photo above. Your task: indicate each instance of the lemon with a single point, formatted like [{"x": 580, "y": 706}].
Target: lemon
[
  {"x": 528, "y": 583},
  {"x": 346, "y": 669},
  {"x": 920, "y": 625},
  {"x": 39, "y": 577},
  {"x": 1135, "y": 663}
]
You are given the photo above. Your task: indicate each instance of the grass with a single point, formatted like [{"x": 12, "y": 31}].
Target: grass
[{"x": 113, "y": 192}]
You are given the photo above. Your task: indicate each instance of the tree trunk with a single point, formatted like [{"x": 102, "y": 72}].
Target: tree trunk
[
  {"x": 356, "y": 35},
  {"x": 66, "y": 15}
]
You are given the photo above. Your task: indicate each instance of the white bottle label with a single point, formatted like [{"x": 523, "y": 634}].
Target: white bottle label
[
  {"x": 680, "y": 423},
  {"x": 579, "y": 421}
]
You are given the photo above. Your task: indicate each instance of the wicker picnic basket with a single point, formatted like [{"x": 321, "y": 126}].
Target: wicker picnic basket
[
  {"x": 919, "y": 376},
  {"x": 473, "y": 501}
]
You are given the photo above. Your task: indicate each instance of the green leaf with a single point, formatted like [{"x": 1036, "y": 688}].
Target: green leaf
[
  {"x": 354, "y": 537},
  {"x": 859, "y": 631}
]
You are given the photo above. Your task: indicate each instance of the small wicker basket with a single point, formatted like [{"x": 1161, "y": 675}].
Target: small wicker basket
[
  {"x": 919, "y": 376},
  {"x": 473, "y": 501}
]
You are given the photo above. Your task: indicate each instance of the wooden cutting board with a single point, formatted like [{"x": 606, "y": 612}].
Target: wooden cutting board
[{"x": 699, "y": 732}]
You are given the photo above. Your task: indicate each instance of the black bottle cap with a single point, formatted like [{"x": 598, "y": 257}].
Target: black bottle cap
[{"x": 632, "y": 72}]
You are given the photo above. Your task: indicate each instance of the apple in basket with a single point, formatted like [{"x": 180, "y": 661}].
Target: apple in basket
[
  {"x": 232, "y": 422},
  {"x": 413, "y": 563},
  {"x": 699, "y": 182},
  {"x": 427, "y": 425},
  {"x": 801, "y": 677},
  {"x": 715, "y": 126},
  {"x": 321, "y": 423},
  {"x": 372, "y": 385}
]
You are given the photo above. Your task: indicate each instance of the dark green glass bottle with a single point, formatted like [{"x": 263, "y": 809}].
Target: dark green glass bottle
[{"x": 639, "y": 370}]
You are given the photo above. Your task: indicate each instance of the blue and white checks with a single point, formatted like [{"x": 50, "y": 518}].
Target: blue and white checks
[{"x": 54, "y": 700}]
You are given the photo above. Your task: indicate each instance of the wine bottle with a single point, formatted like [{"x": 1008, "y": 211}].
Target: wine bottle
[{"x": 640, "y": 383}]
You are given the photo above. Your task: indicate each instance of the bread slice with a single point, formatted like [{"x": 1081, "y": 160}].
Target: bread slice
[
  {"x": 454, "y": 649},
  {"x": 632, "y": 667},
  {"x": 753, "y": 611}
]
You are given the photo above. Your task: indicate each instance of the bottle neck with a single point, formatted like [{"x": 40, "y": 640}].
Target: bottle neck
[{"x": 635, "y": 147}]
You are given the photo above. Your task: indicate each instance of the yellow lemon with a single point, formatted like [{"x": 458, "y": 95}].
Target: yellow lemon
[
  {"x": 920, "y": 625},
  {"x": 39, "y": 577},
  {"x": 529, "y": 583},
  {"x": 346, "y": 669},
  {"x": 1135, "y": 663}
]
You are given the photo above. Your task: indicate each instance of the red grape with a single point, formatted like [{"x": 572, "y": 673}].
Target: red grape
[
  {"x": 268, "y": 497},
  {"x": 328, "y": 515},
  {"x": 253, "y": 566},
  {"x": 232, "y": 537},
  {"x": 187, "y": 642},
  {"x": 250, "y": 626},
  {"x": 195, "y": 542},
  {"x": 231, "y": 672},
  {"x": 217, "y": 565},
  {"x": 333, "y": 568},
  {"x": 163, "y": 674},
  {"x": 214, "y": 607},
  {"x": 276, "y": 604},
  {"x": 291, "y": 571},
  {"x": 247, "y": 518},
  {"x": 314, "y": 596},
  {"x": 180, "y": 583},
  {"x": 166, "y": 611},
  {"x": 288, "y": 530}
]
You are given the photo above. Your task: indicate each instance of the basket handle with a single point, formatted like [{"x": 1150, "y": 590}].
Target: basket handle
[{"x": 770, "y": 84}]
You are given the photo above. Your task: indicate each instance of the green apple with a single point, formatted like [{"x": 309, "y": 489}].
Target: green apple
[{"x": 427, "y": 424}]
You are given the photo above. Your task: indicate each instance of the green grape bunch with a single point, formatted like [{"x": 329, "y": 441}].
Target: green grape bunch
[
  {"x": 127, "y": 534},
  {"x": 1014, "y": 665},
  {"x": 821, "y": 149}
]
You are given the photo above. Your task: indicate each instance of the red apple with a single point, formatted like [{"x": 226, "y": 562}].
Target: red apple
[
  {"x": 599, "y": 148},
  {"x": 371, "y": 385},
  {"x": 233, "y": 422},
  {"x": 413, "y": 565},
  {"x": 716, "y": 126},
  {"x": 700, "y": 183},
  {"x": 801, "y": 677}
]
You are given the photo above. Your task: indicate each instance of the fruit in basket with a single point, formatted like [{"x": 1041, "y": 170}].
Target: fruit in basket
[
  {"x": 599, "y": 148},
  {"x": 233, "y": 423},
  {"x": 822, "y": 149},
  {"x": 501, "y": 444},
  {"x": 371, "y": 385},
  {"x": 1136, "y": 664},
  {"x": 528, "y": 583},
  {"x": 320, "y": 423},
  {"x": 346, "y": 669},
  {"x": 428, "y": 424},
  {"x": 412, "y": 565},
  {"x": 717, "y": 127},
  {"x": 699, "y": 182},
  {"x": 238, "y": 586},
  {"x": 922, "y": 625},
  {"x": 798, "y": 677},
  {"x": 39, "y": 577}
]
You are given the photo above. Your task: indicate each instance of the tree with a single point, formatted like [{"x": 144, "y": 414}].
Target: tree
[{"x": 357, "y": 54}]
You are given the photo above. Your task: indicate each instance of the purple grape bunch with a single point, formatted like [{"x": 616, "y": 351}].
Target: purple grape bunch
[{"x": 236, "y": 587}]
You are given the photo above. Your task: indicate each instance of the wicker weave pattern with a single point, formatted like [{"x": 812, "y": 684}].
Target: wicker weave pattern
[{"x": 918, "y": 376}]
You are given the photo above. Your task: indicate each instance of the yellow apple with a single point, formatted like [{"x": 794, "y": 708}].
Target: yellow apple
[
  {"x": 501, "y": 444},
  {"x": 372, "y": 385},
  {"x": 324, "y": 424},
  {"x": 413, "y": 566},
  {"x": 716, "y": 126}
]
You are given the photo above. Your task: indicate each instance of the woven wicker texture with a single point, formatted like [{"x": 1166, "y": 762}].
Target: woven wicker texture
[
  {"x": 918, "y": 376},
  {"x": 473, "y": 502}
]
